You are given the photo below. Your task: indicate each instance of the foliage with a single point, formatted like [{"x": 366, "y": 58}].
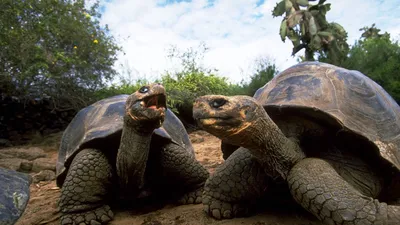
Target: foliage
[
  {"x": 124, "y": 87},
  {"x": 54, "y": 48},
  {"x": 124, "y": 84},
  {"x": 372, "y": 32},
  {"x": 265, "y": 71},
  {"x": 378, "y": 57},
  {"x": 183, "y": 90},
  {"x": 306, "y": 26},
  {"x": 184, "y": 86}
]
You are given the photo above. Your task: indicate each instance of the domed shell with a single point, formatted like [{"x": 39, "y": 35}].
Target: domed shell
[
  {"x": 347, "y": 97},
  {"x": 100, "y": 126}
]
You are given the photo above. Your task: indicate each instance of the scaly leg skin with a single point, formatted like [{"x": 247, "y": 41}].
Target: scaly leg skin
[
  {"x": 84, "y": 192},
  {"x": 234, "y": 186},
  {"x": 319, "y": 188},
  {"x": 183, "y": 172}
]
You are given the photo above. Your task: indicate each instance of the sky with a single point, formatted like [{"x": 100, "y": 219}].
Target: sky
[{"x": 236, "y": 32}]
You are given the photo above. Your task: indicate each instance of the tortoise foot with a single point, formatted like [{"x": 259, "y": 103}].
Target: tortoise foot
[
  {"x": 223, "y": 210},
  {"x": 194, "y": 197},
  {"x": 394, "y": 214},
  {"x": 101, "y": 215}
]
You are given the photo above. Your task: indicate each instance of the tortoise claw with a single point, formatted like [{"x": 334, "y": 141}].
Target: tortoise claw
[
  {"x": 101, "y": 215},
  {"x": 194, "y": 197},
  {"x": 223, "y": 210}
]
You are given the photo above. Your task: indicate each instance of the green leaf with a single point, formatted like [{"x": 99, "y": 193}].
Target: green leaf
[
  {"x": 294, "y": 19},
  {"x": 288, "y": 5},
  {"x": 314, "y": 12},
  {"x": 294, "y": 37},
  {"x": 303, "y": 29},
  {"x": 316, "y": 43},
  {"x": 302, "y": 2},
  {"x": 321, "y": 2},
  {"x": 327, "y": 36},
  {"x": 324, "y": 33},
  {"x": 279, "y": 9},
  {"x": 283, "y": 30},
  {"x": 323, "y": 24},
  {"x": 312, "y": 26},
  {"x": 339, "y": 28},
  {"x": 325, "y": 8}
]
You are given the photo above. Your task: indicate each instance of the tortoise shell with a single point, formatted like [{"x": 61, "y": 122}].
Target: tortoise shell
[
  {"x": 347, "y": 98},
  {"x": 100, "y": 126}
]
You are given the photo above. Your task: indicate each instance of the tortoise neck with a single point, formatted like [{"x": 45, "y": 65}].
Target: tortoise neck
[
  {"x": 272, "y": 148},
  {"x": 132, "y": 158}
]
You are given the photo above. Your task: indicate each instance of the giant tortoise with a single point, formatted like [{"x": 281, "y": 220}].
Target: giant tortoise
[
  {"x": 123, "y": 149},
  {"x": 331, "y": 135}
]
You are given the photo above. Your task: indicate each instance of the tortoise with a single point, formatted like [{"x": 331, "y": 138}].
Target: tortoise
[
  {"x": 121, "y": 150},
  {"x": 14, "y": 195},
  {"x": 330, "y": 135}
]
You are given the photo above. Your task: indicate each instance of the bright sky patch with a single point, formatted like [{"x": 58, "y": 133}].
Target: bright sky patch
[{"x": 236, "y": 31}]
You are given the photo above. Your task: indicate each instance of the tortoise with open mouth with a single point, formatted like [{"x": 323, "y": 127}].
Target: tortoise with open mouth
[
  {"x": 123, "y": 149},
  {"x": 328, "y": 136}
]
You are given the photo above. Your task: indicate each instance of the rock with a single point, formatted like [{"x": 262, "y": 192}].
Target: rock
[
  {"x": 43, "y": 164},
  {"x": 30, "y": 154},
  {"x": 197, "y": 139},
  {"x": 5, "y": 143},
  {"x": 5, "y": 156},
  {"x": 26, "y": 166},
  {"x": 14, "y": 195},
  {"x": 12, "y": 163},
  {"x": 44, "y": 175}
]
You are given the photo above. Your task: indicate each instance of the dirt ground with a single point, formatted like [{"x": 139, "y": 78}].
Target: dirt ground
[{"x": 42, "y": 207}]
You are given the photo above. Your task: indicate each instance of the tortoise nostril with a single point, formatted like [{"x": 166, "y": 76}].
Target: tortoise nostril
[{"x": 216, "y": 103}]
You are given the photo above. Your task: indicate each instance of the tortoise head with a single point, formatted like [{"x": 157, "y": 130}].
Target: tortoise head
[
  {"x": 226, "y": 117},
  {"x": 146, "y": 106}
]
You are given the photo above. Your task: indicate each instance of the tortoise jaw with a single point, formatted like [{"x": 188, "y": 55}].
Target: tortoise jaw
[
  {"x": 155, "y": 102},
  {"x": 221, "y": 127},
  {"x": 148, "y": 110},
  {"x": 213, "y": 120}
]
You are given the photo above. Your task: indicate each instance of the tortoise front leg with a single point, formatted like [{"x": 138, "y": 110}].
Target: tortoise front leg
[
  {"x": 182, "y": 173},
  {"x": 85, "y": 189},
  {"x": 235, "y": 186},
  {"x": 317, "y": 185}
]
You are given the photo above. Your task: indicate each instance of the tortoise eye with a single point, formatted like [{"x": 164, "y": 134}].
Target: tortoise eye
[
  {"x": 218, "y": 102},
  {"x": 143, "y": 89}
]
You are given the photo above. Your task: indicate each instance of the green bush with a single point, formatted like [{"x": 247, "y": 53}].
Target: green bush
[
  {"x": 265, "y": 71},
  {"x": 183, "y": 89},
  {"x": 124, "y": 87},
  {"x": 54, "y": 49}
]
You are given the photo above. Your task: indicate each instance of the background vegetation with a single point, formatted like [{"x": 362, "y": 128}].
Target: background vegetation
[
  {"x": 56, "y": 52},
  {"x": 54, "y": 49}
]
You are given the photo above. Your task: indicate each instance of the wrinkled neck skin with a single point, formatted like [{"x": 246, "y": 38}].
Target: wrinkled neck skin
[
  {"x": 132, "y": 157},
  {"x": 270, "y": 146}
]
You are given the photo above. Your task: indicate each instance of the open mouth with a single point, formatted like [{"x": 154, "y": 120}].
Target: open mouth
[{"x": 155, "y": 102}]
